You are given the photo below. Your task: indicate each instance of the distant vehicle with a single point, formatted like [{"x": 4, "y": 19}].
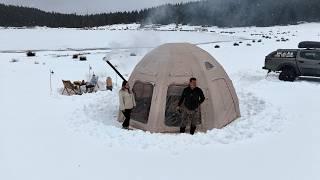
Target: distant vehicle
[
  {"x": 31, "y": 54},
  {"x": 292, "y": 63}
]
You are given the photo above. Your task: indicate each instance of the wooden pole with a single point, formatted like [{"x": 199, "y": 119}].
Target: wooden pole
[
  {"x": 51, "y": 72},
  {"x": 90, "y": 71}
]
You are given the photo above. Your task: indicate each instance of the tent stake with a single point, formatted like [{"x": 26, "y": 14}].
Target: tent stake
[{"x": 51, "y": 73}]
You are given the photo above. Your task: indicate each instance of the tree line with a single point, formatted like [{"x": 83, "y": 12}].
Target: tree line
[{"x": 222, "y": 13}]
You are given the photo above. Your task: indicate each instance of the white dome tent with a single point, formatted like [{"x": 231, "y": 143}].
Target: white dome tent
[{"x": 159, "y": 78}]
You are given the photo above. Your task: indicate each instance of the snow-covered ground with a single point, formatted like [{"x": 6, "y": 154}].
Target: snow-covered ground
[{"x": 46, "y": 135}]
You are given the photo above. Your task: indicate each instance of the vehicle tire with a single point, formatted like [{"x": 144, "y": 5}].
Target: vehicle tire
[{"x": 288, "y": 74}]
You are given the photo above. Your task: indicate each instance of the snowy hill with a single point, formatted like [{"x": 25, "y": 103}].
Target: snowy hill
[{"x": 46, "y": 135}]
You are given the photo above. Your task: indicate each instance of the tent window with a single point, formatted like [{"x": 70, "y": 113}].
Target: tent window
[
  {"x": 143, "y": 94},
  {"x": 172, "y": 117},
  {"x": 208, "y": 65}
]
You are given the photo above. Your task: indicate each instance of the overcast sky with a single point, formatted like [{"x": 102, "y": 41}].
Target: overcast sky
[{"x": 89, "y": 6}]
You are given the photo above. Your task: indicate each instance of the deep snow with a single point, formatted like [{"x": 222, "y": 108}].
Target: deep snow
[{"x": 46, "y": 135}]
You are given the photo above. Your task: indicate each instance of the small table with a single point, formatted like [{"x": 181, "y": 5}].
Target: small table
[{"x": 79, "y": 84}]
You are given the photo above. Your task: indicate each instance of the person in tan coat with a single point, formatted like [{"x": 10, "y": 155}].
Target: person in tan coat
[
  {"x": 127, "y": 103},
  {"x": 109, "y": 84}
]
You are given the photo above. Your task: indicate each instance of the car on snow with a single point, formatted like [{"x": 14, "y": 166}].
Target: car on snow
[{"x": 292, "y": 63}]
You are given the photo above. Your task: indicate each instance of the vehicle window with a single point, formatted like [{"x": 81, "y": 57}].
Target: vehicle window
[
  {"x": 285, "y": 54},
  {"x": 312, "y": 55},
  {"x": 143, "y": 95},
  {"x": 272, "y": 54}
]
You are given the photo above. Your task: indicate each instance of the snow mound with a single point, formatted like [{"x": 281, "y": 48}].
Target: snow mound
[{"x": 98, "y": 118}]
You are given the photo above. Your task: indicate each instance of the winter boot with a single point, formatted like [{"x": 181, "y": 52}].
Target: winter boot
[
  {"x": 182, "y": 129},
  {"x": 192, "y": 129}
]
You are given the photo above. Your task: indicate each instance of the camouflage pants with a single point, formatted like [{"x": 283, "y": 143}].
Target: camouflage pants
[{"x": 190, "y": 117}]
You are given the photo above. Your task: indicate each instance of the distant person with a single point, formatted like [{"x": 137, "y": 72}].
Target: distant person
[
  {"x": 127, "y": 103},
  {"x": 192, "y": 97},
  {"x": 109, "y": 84}
]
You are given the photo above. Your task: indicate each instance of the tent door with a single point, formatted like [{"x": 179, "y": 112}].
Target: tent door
[{"x": 172, "y": 117}]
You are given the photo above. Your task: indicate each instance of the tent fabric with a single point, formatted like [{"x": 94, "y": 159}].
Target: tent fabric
[{"x": 157, "y": 82}]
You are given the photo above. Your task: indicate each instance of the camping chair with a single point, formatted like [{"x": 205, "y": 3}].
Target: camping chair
[
  {"x": 69, "y": 87},
  {"x": 92, "y": 84}
]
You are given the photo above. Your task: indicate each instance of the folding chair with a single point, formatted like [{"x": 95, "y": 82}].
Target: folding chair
[
  {"x": 92, "y": 84},
  {"x": 69, "y": 87}
]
